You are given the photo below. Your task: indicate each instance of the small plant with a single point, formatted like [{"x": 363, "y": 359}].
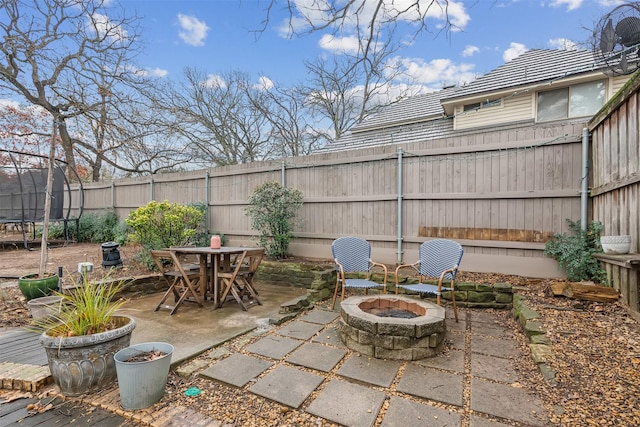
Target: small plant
[
  {"x": 87, "y": 309},
  {"x": 273, "y": 210},
  {"x": 574, "y": 252}
]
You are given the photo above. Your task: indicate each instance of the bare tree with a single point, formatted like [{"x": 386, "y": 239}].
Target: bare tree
[
  {"x": 73, "y": 59},
  {"x": 220, "y": 119},
  {"x": 285, "y": 109},
  {"x": 348, "y": 87}
]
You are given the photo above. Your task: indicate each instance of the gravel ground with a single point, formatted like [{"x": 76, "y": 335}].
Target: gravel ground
[{"x": 596, "y": 357}]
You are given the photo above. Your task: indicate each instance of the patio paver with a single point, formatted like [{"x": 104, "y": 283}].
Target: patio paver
[
  {"x": 507, "y": 402},
  {"x": 431, "y": 384},
  {"x": 286, "y": 385},
  {"x": 274, "y": 346},
  {"x": 495, "y": 347},
  {"x": 300, "y": 330},
  {"x": 322, "y": 317},
  {"x": 237, "y": 369},
  {"x": 317, "y": 356},
  {"x": 493, "y": 368},
  {"x": 408, "y": 413},
  {"x": 330, "y": 335},
  {"x": 369, "y": 370},
  {"x": 453, "y": 360},
  {"x": 348, "y": 404}
]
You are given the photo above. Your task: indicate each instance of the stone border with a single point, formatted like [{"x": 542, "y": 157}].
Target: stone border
[{"x": 539, "y": 343}]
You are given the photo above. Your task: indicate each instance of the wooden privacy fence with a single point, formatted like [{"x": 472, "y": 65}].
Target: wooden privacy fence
[
  {"x": 616, "y": 184},
  {"x": 501, "y": 192}
]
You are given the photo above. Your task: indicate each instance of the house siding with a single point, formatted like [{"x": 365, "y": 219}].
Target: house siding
[{"x": 511, "y": 110}]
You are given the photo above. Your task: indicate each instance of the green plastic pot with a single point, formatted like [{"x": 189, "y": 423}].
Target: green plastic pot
[{"x": 33, "y": 286}]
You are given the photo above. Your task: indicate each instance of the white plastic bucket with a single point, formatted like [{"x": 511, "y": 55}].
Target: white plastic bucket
[{"x": 142, "y": 383}]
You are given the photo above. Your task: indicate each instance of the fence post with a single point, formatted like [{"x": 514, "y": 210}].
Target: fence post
[
  {"x": 151, "y": 188},
  {"x": 206, "y": 199},
  {"x": 283, "y": 181},
  {"x": 399, "y": 221},
  {"x": 113, "y": 195}
]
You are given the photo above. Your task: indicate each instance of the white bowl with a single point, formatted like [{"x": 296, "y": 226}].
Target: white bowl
[{"x": 615, "y": 244}]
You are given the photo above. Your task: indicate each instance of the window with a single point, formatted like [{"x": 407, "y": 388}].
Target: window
[
  {"x": 485, "y": 104},
  {"x": 576, "y": 101}
]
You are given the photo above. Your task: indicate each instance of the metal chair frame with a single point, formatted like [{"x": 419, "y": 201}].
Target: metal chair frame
[
  {"x": 439, "y": 259},
  {"x": 353, "y": 255}
]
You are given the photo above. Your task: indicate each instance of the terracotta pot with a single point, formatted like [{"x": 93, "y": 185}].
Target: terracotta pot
[
  {"x": 85, "y": 364},
  {"x": 33, "y": 286}
]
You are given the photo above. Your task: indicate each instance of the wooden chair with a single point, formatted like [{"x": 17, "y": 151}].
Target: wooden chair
[
  {"x": 183, "y": 284},
  {"x": 353, "y": 255},
  {"x": 439, "y": 259},
  {"x": 239, "y": 280}
]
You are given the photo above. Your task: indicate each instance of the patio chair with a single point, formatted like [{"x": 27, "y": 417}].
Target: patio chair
[
  {"x": 183, "y": 284},
  {"x": 353, "y": 255},
  {"x": 439, "y": 259},
  {"x": 238, "y": 281}
]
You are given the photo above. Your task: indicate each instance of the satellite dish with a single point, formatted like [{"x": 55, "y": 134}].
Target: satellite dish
[{"x": 616, "y": 40}]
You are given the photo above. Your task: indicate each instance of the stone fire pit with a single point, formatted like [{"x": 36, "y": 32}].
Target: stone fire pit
[{"x": 363, "y": 330}]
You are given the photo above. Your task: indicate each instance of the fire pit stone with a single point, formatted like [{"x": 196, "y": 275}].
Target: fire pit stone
[{"x": 363, "y": 330}]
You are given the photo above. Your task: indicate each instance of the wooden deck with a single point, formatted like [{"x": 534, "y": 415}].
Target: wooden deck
[
  {"x": 62, "y": 413},
  {"x": 18, "y": 345}
]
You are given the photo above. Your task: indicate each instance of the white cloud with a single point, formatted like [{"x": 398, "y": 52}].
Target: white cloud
[
  {"x": 103, "y": 26},
  {"x": 215, "y": 81},
  {"x": 158, "y": 72},
  {"x": 563, "y": 44},
  {"x": 437, "y": 73},
  {"x": 264, "y": 83},
  {"x": 339, "y": 45},
  {"x": 515, "y": 50},
  {"x": 470, "y": 50},
  {"x": 570, "y": 4},
  {"x": 193, "y": 31}
]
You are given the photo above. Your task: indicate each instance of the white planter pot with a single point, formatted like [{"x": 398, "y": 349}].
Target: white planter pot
[{"x": 615, "y": 244}]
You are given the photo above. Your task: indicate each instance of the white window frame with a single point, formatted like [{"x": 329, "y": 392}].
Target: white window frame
[{"x": 568, "y": 90}]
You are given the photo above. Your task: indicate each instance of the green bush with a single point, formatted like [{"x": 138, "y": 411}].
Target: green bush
[
  {"x": 99, "y": 227},
  {"x": 161, "y": 225},
  {"x": 273, "y": 210},
  {"x": 574, "y": 252}
]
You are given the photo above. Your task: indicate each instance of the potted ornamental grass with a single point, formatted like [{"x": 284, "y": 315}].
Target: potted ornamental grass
[{"x": 81, "y": 338}]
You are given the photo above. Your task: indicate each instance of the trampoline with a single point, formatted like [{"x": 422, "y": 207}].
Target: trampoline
[{"x": 23, "y": 185}]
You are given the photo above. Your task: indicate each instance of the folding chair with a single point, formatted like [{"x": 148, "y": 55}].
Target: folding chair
[
  {"x": 353, "y": 255},
  {"x": 439, "y": 258},
  {"x": 239, "y": 281},
  {"x": 184, "y": 285}
]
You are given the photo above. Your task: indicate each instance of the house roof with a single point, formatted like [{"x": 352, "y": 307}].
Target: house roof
[
  {"x": 410, "y": 110},
  {"x": 416, "y": 132},
  {"x": 533, "y": 66}
]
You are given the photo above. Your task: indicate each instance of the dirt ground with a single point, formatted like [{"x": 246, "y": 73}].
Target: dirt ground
[
  {"x": 596, "y": 349},
  {"x": 16, "y": 261}
]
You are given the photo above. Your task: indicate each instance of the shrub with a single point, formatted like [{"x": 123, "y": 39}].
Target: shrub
[
  {"x": 273, "y": 210},
  {"x": 573, "y": 252},
  {"x": 95, "y": 228},
  {"x": 161, "y": 225}
]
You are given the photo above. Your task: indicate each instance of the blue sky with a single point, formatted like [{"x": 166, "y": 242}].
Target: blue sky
[{"x": 216, "y": 36}]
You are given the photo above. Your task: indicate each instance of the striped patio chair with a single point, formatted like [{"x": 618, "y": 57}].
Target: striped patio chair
[
  {"x": 353, "y": 255},
  {"x": 439, "y": 259}
]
